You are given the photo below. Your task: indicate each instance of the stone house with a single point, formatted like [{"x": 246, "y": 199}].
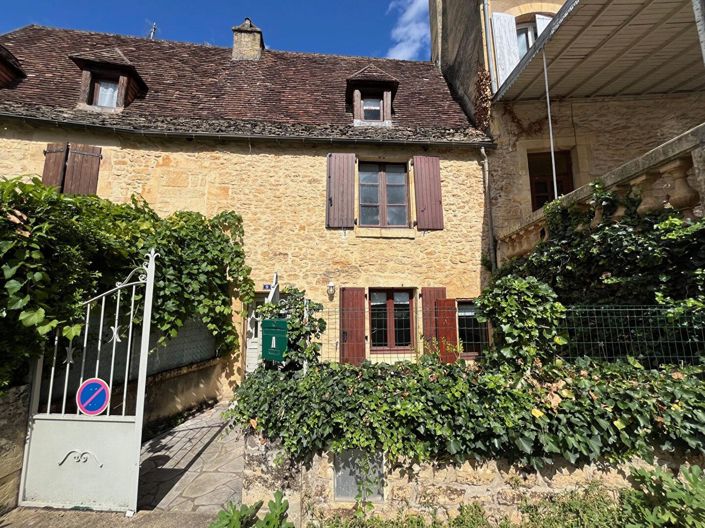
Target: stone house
[
  {"x": 359, "y": 180},
  {"x": 623, "y": 83}
]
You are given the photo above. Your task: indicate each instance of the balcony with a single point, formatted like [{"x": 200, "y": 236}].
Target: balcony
[{"x": 671, "y": 175}]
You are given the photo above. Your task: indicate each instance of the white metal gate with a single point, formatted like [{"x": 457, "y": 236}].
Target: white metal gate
[{"x": 83, "y": 444}]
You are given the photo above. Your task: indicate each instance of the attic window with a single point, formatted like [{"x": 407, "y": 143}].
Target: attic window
[
  {"x": 104, "y": 92},
  {"x": 372, "y": 108}
]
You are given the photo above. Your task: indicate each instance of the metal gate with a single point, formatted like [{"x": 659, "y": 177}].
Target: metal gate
[{"x": 87, "y": 405}]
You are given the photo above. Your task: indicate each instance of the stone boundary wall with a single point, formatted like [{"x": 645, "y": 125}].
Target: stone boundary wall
[
  {"x": 14, "y": 409},
  {"x": 426, "y": 489}
]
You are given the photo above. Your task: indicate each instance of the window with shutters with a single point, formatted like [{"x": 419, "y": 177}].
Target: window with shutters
[
  {"x": 541, "y": 176},
  {"x": 72, "y": 168},
  {"x": 391, "y": 320},
  {"x": 384, "y": 195},
  {"x": 104, "y": 92},
  {"x": 472, "y": 333}
]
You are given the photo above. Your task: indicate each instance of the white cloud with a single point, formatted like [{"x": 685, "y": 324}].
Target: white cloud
[{"x": 411, "y": 35}]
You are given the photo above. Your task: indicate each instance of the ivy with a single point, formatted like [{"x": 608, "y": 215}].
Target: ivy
[
  {"x": 57, "y": 250},
  {"x": 431, "y": 411}
]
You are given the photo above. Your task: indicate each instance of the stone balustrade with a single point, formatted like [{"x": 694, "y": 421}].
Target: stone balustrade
[{"x": 670, "y": 176}]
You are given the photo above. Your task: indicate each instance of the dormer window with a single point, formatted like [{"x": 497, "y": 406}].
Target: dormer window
[
  {"x": 104, "y": 93},
  {"x": 110, "y": 82},
  {"x": 372, "y": 108},
  {"x": 10, "y": 70},
  {"x": 370, "y": 96}
]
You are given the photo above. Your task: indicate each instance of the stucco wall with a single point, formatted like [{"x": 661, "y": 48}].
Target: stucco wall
[
  {"x": 14, "y": 406},
  {"x": 427, "y": 489},
  {"x": 280, "y": 189},
  {"x": 602, "y": 135}
]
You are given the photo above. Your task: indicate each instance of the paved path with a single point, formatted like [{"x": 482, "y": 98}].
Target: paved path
[
  {"x": 195, "y": 467},
  {"x": 187, "y": 475}
]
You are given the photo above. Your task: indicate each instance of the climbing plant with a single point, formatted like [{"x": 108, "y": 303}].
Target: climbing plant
[{"x": 57, "y": 250}]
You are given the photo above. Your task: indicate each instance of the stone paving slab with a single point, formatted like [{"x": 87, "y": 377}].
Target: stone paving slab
[
  {"x": 195, "y": 467},
  {"x": 46, "y": 518}
]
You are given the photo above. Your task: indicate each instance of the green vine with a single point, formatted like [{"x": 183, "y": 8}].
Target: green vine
[{"x": 57, "y": 250}]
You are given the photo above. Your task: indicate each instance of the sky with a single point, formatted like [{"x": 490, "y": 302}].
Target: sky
[{"x": 379, "y": 28}]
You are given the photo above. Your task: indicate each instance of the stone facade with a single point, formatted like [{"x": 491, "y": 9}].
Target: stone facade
[
  {"x": 601, "y": 135},
  {"x": 14, "y": 408},
  {"x": 427, "y": 489},
  {"x": 279, "y": 189}
]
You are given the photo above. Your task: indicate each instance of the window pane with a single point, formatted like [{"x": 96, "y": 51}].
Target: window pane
[
  {"x": 378, "y": 319},
  {"x": 372, "y": 109},
  {"x": 107, "y": 93},
  {"x": 369, "y": 173},
  {"x": 369, "y": 194},
  {"x": 402, "y": 319},
  {"x": 371, "y": 104},
  {"x": 472, "y": 333},
  {"x": 396, "y": 174},
  {"x": 369, "y": 215},
  {"x": 396, "y": 194},
  {"x": 351, "y": 477},
  {"x": 372, "y": 115},
  {"x": 523, "y": 41},
  {"x": 396, "y": 215}
]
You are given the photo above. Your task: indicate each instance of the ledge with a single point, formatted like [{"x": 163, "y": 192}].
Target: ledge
[{"x": 386, "y": 232}]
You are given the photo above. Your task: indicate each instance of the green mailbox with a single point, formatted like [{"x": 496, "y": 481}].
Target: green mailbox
[{"x": 274, "y": 339}]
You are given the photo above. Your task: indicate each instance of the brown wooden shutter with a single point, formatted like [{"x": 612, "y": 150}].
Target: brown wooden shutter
[
  {"x": 447, "y": 328},
  {"x": 427, "y": 183},
  {"x": 387, "y": 106},
  {"x": 340, "y": 195},
  {"x": 352, "y": 325},
  {"x": 55, "y": 165},
  {"x": 428, "y": 304},
  {"x": 82, "y": 169}
]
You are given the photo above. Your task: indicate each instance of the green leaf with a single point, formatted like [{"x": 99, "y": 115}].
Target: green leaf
[
  {"x": 32, "y": 317},
  {"x": 13, "y": 286}
]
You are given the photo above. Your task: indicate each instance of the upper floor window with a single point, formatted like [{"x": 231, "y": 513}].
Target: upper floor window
[
  {"x": 526, "y": 36},
  {"x": 384, "y": 195},
  {"x": 541, "y": 176},
  {"x": 104, "y": 92}
]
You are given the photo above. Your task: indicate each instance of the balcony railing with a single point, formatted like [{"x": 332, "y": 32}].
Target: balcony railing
[{"x": 660, "y": 177}]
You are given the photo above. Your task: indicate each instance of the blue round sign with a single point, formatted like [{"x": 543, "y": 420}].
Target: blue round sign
[{"x": 93, "y": 396}]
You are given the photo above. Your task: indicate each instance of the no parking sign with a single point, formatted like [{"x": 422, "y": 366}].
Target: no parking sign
[{"x": 93, "y": 396}]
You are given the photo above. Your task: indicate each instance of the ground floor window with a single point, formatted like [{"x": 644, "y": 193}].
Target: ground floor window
[
  {"x": 472, "y": 333},
  {"x": 358, "y": 476},
  {"x": 391, "y": 319}
]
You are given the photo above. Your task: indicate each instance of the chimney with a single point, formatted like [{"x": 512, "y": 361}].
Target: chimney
[{"x": 247, "y": 41}]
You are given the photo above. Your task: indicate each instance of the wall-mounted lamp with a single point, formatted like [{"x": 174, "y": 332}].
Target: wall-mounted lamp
[{"x": 330, "y": 289}]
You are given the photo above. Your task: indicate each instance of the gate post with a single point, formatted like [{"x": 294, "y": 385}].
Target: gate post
[{"x": 142, "y": 373}]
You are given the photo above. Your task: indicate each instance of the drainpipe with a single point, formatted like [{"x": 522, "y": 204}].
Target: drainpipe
[
  {"x": 550, "y": 125},
  {"x": 490, "y": 46},
  {"x": 488, "y": 207}
]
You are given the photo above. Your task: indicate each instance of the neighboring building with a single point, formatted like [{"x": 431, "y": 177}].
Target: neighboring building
[
  {"x": 623, "y": 79},
  {"x": 359, "y": 180}
]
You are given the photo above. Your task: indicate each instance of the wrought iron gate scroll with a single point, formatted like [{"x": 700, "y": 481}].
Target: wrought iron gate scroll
[{"x": 73, "y": 459}]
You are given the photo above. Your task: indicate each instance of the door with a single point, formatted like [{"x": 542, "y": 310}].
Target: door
[
  {"x": 87, "y": 405},
  {"x": 253, "y": 355}
]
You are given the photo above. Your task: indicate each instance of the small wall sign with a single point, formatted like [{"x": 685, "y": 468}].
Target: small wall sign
[{"x": 93, "y": 396}]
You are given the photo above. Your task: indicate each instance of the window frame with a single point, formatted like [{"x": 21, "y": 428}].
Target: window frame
[
  {"x": 370, "y": 97},
  {"x": 391, "y": 337},
  {"x": 94, "y": 92},
  {"x": 382, "y": 204},
  {"x": 474, "y": 354},
  {"x": 565, "y": 180}
]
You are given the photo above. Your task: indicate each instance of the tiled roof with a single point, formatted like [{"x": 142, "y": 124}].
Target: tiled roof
[
  {"x": 199, "y": 89},
  {"x": 105, "y": 56},
  {"x": 372, "y": 73}
]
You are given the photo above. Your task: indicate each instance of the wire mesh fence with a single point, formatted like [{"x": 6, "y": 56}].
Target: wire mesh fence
[
  {"x": 392, "y": 331},
  {"x": 652, "y": 334}
]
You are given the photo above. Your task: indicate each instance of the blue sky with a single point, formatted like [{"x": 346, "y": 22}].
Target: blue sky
[{"x": 380, "y": 28}]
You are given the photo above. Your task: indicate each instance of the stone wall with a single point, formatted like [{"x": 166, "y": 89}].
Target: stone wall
[
  {"x": 14, "y": 408},
  {"x": 279, "y": 189},
  {"x": 601, "y": 135},
  {"x": 426, "y": 489}
]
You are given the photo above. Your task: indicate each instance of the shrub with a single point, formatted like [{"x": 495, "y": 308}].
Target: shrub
[
  {"x": 430, "y": 411},
  {"x": 662, "y": 500},
  {"x": 246, "y": 516},
  {"x": 57, "y": 250},
  {"x": 303, "y": 327},
  {"x": 525, "y": 315}
]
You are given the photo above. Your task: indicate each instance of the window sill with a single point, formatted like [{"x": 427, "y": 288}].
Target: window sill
[
  {"x": 100, "y": 109},
  {"x": 374, "y": 124},
  {"x": 385, "y": 232}
]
